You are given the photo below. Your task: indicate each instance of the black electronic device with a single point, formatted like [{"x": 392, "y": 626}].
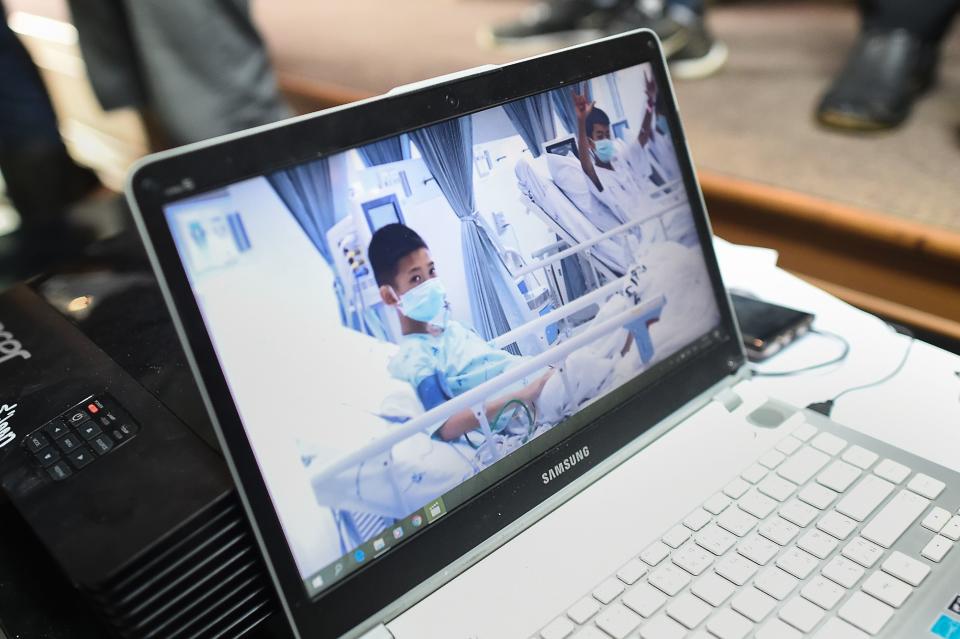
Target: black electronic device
[
  {"x": 768, "y": 328},
  {"x": 109, "y": 459}
]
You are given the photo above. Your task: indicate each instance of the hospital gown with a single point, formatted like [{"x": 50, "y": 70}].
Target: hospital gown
[{"x": 461, "y": 357}]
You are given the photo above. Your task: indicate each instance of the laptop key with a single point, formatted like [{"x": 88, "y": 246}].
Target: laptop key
[
  {"x": 736, "y": 568},
  {"x": 801, "y": 614},
  {"x": 756, "y": 504},
  {"x": 864, "y": 552},
  {"x": 926, "y": 485},
  {"x": 643, "y": 599},
  {"x": 716, "y": 504},
  {"x": 736, "y": 488},
  {"x": 804, "y": 432},
  {"x": 838, "y": 476},
  {"x": 887, "y": 589},
  {"x": 778, "y": 530},
  {"x": 798, "y": 512},
  {"x": 662, "y": 627},
  {"x": 937, "y": 548},
  {"x": 632, "y": 571},
  {"x": 618, "y": 621},
  {"x": 864, "y": 498},
  {"x": 676, "y": 536},
  {"x": 803, "y": 465},
  {"x": 669, "y": 578},
  {"x": 692, "y": 558},
  {"x": 865, "y": 612},
  {"x": 737, "y": 521},
  {"x": 842, "y": 571},
  {"x": 608, "y": 590},
  {"x": 906, "y": 568},
  {"x": 892, "y": 471},
  {"x": 840, "y": 526},
  {"x": 758, "y": 549},
  {"x": 753, "y": 604},
  {"x": 776, "y": 629},
  {"x": 727, "y": 624},
  {"x": 712, "y": 588},
  {"x": 697, "y": 519},
  {"x": 688, "y": 610},
  {"x": 817, "y": 496},
  {"x": 828, "y": 443},
  {"x": 859, "y": 457},
  {"x": 771, "y": 459},
  {"x": 715, "y": 539},
  {"x": 755, "y": 473},
  {"x": 788, "y": 445},
  {"x": 559, "y": 628},
  {"x": 894, "y": 518},
  {"x": 936, "y": 519},
  {"x": 581, "y": 611},
  {"x": 817, "y": 543},
  {"x": 655, "y": 553},
  {"x": 823, "y": 592},
  {"x": 839, "y": 629},
  {"x": 775, "y": 582},
  {"x": 797, "y": 562},
  {"x": 590, "y": 632},
  {"x": 776, "y": 487},
  {"x": 952, "y": 529}
]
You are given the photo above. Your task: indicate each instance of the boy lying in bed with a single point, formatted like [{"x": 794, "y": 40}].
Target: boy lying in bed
[{"x": 438, "y": 356}]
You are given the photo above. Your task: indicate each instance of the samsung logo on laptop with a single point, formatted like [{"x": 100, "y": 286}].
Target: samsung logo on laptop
[
  {"x": 565, "y": 464},
  {"x": 10, "y": 347},
  {"x": 6, "y": 433}
]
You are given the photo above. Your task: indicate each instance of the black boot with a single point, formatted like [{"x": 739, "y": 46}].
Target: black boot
[{"x": 885, "y": 72}]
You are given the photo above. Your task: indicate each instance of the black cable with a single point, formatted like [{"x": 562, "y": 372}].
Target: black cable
[
  {"x": 796, "y": 371},
  {"x": 826, "y": 407}
]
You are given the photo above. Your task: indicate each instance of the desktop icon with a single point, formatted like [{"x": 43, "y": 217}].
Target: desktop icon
[
  {"x": 317, "y": 582},
  {"x": 397, "y": 532},
  {"x": 416, "y": 521},
  {"x": 435, "y": 509},
  {"x": 337, "y": 569},
  {"x": 379, "y": 544},
  {"x": 359, "y": 555}
]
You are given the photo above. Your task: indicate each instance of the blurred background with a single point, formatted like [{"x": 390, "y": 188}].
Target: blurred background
[{"x": 826, "y": 129}]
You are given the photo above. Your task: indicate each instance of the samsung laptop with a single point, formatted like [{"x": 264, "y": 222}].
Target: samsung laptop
[{"x": 475, "y": 373}]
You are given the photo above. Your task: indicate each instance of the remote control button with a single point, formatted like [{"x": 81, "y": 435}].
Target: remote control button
[
  {"x": 102, "y": 445},
  {"x": 35, "y": 442},
  {"x": 80, "y": 457},
  {"x": 59, "y": 471},
  {"x": 123, "y": 432},
  {"x": 56, "y": 428},
  {"x": 48, "y": 456},
  {"x": 76, "y": 418},
  {"x": 69, "y": 442},
  {"x": 89, "y": 430}
]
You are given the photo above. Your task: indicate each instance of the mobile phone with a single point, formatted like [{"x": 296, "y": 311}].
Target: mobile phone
[{"x": 768, "y": 328}]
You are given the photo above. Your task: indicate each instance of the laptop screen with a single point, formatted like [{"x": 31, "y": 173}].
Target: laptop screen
[{"x": 403, "y": 324}]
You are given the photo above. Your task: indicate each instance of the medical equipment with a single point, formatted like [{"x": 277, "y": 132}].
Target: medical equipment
[
  {"x": 619, "y": 129},
  {"x": 382, "y": 211}
]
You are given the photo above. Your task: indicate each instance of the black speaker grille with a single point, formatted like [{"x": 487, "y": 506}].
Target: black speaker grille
[{"x": 205, "y": 580}]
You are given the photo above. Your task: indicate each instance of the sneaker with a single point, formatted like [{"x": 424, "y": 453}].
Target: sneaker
[
  {"x": 554, "y": 23},
  {"x": 702, "y": 55},
  {"x": 884, "y": 74}
]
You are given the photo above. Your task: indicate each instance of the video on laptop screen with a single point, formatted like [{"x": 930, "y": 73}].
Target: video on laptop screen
[{"x": 395, "y": 321}]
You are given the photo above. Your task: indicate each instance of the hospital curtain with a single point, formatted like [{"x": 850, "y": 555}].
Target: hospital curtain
[
  {"x": 307, "y": 192},
  {"x": 497, "y": 304},
  {"x": 392, "y": 149},
  {"x": 533, "y": 119},
  {"x": 563, "y": 103}
]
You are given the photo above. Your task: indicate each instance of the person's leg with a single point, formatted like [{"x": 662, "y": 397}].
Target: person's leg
[
  {"x": 554, "y": 23},
  {"x": 928, "y": 20},
  {"x": 892, "y": 63},
  {"x": 39, "y": 174},
  {"x": 200, "y": 69}
]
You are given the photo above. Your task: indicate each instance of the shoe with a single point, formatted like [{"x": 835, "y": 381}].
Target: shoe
[
  {"x": 885, "y": 73},
  {"x": 688, "y": 46},
  {"x": 553, "y": 23}
]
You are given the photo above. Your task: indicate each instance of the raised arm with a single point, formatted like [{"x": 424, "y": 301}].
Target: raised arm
[{"x": 583, "y": 108}]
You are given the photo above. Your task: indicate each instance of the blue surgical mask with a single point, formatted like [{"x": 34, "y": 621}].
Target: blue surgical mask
[
  {"x": 605, "y": 150},
  {"x": 425, "y": 301}
]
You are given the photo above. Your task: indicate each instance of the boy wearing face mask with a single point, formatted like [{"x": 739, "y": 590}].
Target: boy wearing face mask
[
  {"x": 612, "y": 181},
  {"x": 440, "y": 357}
]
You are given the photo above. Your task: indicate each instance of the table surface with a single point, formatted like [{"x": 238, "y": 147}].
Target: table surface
[{"x": 917, "y": 410}]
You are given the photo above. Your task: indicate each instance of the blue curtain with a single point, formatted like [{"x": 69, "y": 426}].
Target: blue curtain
[
  {"x": 532, "y": 117},
  {"x": 385, "y": 151},
  {"x": 307, "y": 192},
  {"x": 563, "y": 103},
  {"x": 497, "y": 305}
]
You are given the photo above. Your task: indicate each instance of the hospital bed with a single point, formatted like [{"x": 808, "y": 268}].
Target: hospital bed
[{"x": 373, "y": 480}]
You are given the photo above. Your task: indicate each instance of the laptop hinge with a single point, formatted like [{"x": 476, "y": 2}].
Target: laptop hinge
[{"x": 377, "y": 632}]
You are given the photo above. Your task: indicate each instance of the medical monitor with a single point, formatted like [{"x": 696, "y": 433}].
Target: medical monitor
[
  {"x": 567, "y": 147},
  {"x": 381, "y": 428},
  {"x": 382, "y": 211}
]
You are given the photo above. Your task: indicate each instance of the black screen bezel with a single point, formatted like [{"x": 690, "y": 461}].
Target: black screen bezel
[{"x": 173, "y": 176}]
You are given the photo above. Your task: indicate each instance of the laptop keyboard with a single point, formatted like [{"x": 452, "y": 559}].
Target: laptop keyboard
[{"x": 801, "y": 541}]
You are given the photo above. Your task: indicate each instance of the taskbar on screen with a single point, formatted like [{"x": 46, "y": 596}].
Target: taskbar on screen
[{"x": 373, "y": 548}]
